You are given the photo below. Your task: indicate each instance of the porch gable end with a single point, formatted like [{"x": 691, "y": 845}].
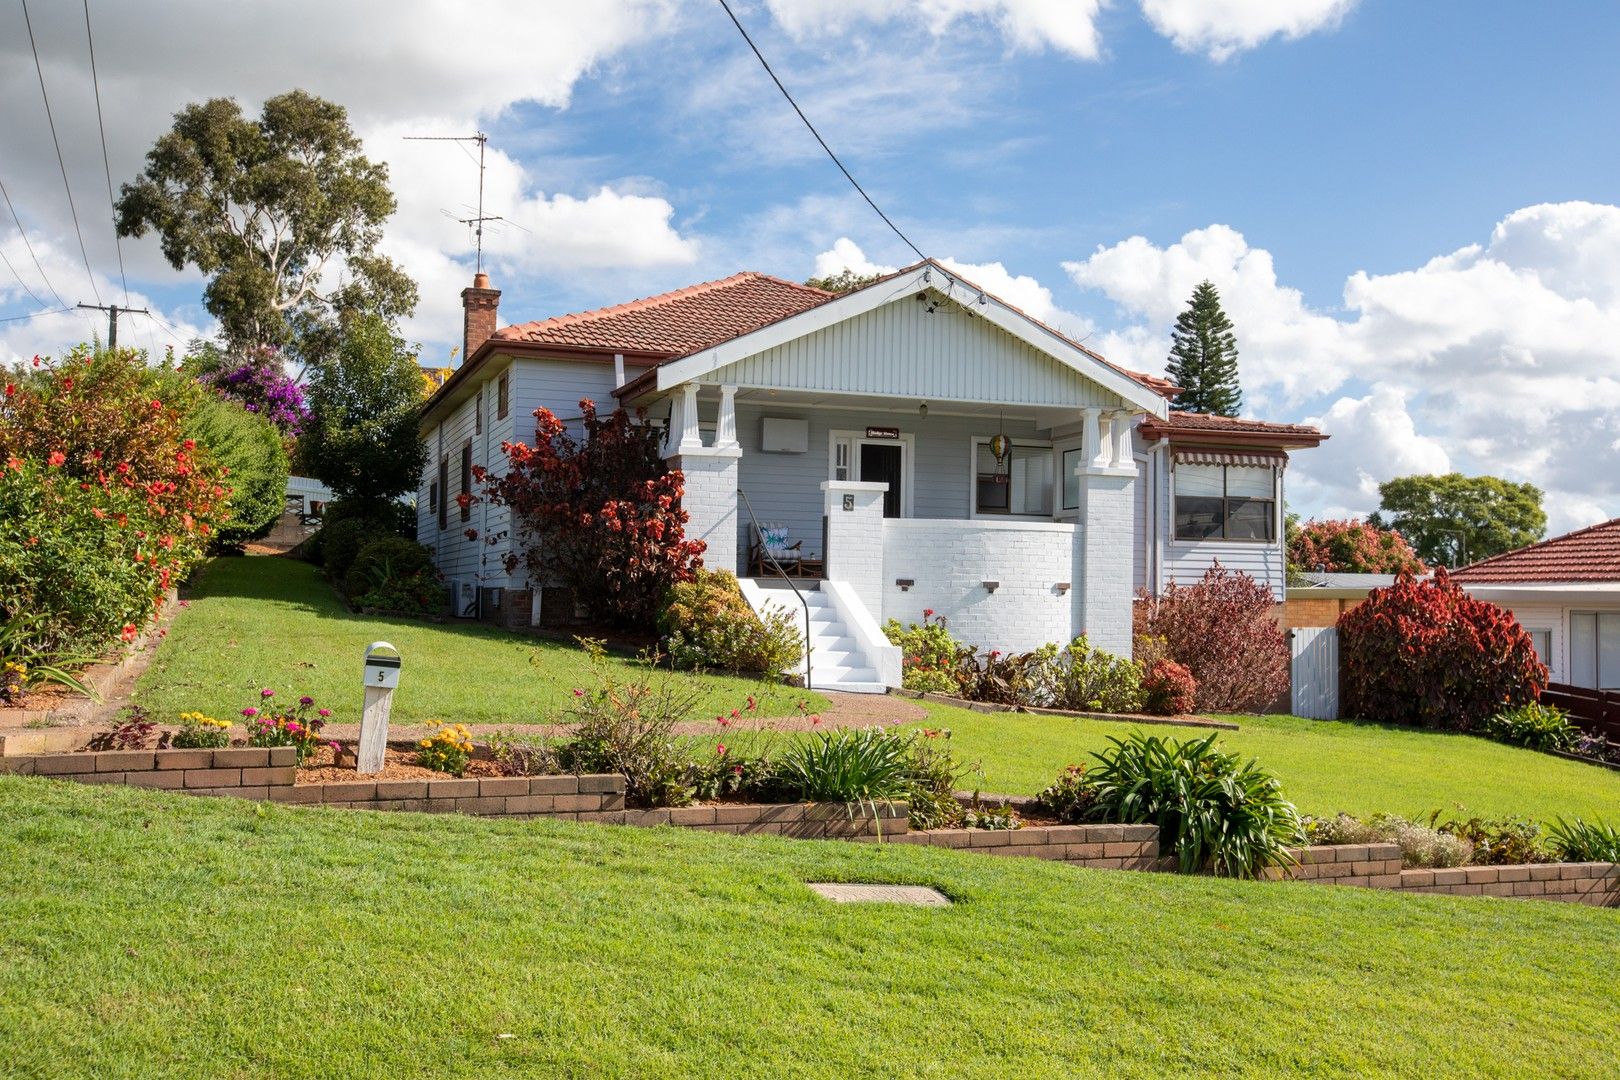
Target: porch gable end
[{"x": 924, "y": 334}]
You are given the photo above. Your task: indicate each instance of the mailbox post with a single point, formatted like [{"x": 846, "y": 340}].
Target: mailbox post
[{"x": 381, "y": 677}]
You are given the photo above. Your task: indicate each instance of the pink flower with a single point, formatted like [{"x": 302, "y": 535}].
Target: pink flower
[
  {"x": 815, "y": 721},
  {"x": 306, "y": 701},
  {"x": 928, "y": 613},
  {"x": 56, "y": 458},
  {"x": 324, "y": 712},
  {"x": 578, "y": 692},
  {"x": 267, "y": 693},
  {"x": 336, "y": 746},
  {"x": 250, "y": 712},
  {"x": 720, "y": 749}
]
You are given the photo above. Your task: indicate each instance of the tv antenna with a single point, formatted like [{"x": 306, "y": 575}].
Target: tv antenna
[{"x": 476, "y": 222}]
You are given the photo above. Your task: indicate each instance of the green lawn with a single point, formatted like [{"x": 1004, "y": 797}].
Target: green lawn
[
  {"x": 1325, "y": 766},
  {"x": 222, "y": 938},
  {"x": 272, "y": 622}
]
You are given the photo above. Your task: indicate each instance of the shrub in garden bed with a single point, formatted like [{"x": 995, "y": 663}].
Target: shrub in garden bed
[
  {"x": 707, "y": 624},
  {"x": 930, "y": 658},
  {"x": 395, "y": 575},
  {"x": 1535, "y": 726},
  {"x": 1081, "y": 678},
  {"x": 1222, "y": 631},
  {"x": 1427, "y": 653},
  {"x": 1584, "y": 841},
  {"x": 199, "y": 731},
  {"x": 448, "y": 750},
  {"x": 269, "y": 724},
  {"x": 1421, "y": 845},
  {"x": 1215, "y": 812}
]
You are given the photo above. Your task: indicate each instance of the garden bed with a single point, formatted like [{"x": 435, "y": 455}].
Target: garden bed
[{"x": 1133, "y": 718}]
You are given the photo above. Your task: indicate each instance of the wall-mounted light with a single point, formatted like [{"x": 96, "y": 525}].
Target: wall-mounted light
[
  {"x": 905, "y": 583},
  {"x": 990, "y": 586},
  {"x": 1061, "y": 587},
  {"x": 922, "y": 410}
]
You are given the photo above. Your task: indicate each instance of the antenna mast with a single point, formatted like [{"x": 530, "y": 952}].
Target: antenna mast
[{"x": 476, "y": 222}]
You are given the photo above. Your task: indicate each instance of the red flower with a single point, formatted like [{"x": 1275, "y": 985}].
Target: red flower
[
  {"x": 14, "y": 464},
  {"x": 928, "y": 613},
  {"x": 67, "y": 384},
  {"x": 472, "y": 534},
  {"x": 720, "y": 749},
  {"x": 11, "y": 389},
  {"x": 128, "y": 632},
  {"x": 56, "y": 458},
  {"x": 157, "y": 405},
  {"x": 190, "y": 444}
]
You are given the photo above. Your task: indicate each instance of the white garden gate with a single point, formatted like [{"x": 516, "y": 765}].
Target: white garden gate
[{"x": 1315, "y": 672}]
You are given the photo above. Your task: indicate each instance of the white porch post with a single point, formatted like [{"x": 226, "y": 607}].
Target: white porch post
[
  {"x": 711, "y": 475},
  {"x": 689, "y": 418},
  {"x": 1091, "y": 449},
  {"x": 725, "y": 428},
  {"x": 855, "y": 539},
  {"x": 1106, "y": 540},
  {"x": 1122, "y": 456}
]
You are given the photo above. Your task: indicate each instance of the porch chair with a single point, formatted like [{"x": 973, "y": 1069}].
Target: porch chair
[{"x": 771, "y": 540}]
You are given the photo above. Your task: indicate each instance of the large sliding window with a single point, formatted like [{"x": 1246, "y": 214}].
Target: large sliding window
[
  {"x": 1594, "y": 649},
  {"x": 1022, "y": 487},
  {"x": 1225, "y": 502}
]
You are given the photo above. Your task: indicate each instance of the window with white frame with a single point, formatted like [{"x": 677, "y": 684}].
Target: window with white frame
[
  {"x": 1594, "y": 649},
  {"x": 1225, "y": 502},
  {"x": 1020, "y": 487},
  {"x": 1542, "y": 641}
]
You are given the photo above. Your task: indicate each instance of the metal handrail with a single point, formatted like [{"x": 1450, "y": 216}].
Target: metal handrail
[{"x": 765, "y": 548}]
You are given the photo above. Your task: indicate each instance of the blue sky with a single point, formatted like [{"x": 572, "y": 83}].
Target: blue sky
[{"x": 1409, "y": 208}]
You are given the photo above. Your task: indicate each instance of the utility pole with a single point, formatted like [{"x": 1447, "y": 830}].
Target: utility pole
[{"x": 113, "y": 311}]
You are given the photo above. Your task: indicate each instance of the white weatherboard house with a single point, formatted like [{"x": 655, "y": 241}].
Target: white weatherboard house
[{"x": 917, "y": 443}]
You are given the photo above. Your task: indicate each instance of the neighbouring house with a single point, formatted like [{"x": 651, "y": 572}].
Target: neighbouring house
[
  {"x": 1318, "y": 598},
  {"x": 1566, "y": 592},
  {"x": 913, "y": 444}
]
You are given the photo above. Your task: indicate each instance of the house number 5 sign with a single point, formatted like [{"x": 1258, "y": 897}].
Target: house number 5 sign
[{"x": 381, "y": 678}]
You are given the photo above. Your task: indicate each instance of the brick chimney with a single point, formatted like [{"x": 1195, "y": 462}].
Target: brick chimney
[{"x": 479, "y": 306}]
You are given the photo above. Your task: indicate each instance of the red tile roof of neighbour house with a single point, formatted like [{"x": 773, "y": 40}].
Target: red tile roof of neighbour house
[
  {"x": 1207, "y": 428},
  {"x": 1589, "y": 554},
  {"x": 675, "y": 323}
]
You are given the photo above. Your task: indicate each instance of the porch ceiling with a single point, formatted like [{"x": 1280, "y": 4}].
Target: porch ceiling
[{"x": 1044, "y": 416}]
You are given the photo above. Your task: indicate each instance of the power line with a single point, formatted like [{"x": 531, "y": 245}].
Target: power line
[
  {"x": 847, "y": 175},
  {"x": 106, "y": 163},
  {"x": 20, "y": 280},
  {"x": 167, "y": 329},
  {"x": 34, "y": 315},
  {"x": 61, "y": 164},
  {"x": 31, "y": 254}
]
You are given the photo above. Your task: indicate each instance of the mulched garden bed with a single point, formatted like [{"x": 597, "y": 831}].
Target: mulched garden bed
[{"x": 398, "y": 764}]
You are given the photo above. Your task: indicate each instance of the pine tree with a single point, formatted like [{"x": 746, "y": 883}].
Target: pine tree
[{"x": 1203, "y": 356}]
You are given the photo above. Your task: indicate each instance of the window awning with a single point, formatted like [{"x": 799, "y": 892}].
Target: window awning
[{"x": 1264, "y": 459}]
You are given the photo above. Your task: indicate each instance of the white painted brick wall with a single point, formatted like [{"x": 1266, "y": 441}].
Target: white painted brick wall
[
  {"x": 950, "y": 561},
  {"x": 710, "y": 503}
]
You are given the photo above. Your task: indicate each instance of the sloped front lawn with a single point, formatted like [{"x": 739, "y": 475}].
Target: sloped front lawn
[
  {"x": 272, "y": 622},
  {"x": 221, "y": 938},
  {"x": 1325, "y": 766}
]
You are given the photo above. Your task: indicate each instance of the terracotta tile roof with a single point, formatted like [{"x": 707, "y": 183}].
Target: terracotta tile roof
[
  {"x": 1589, "y": 554},
  {"x": 1208, "y": 425},
  {"x": 676, "y": 323}
]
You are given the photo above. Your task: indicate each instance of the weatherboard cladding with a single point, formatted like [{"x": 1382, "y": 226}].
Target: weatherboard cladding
[{"x": 902, "y": 350}]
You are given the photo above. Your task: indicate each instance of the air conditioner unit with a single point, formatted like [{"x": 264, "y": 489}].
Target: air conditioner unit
[{"x": 463, "y": 598}]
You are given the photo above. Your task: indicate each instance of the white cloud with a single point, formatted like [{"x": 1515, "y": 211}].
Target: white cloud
[
  {"x": 1067, "y": 26},
  {"x": 1502, "y": 354},
  {"x": 847, "y": 255},
  {"x": 1222, "y": 28}
]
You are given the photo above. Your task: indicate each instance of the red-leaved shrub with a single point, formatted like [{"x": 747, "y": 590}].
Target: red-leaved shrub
[
  {"x": 1427, "y": 653},
  {"x": 602, "y": 515},
  {"x": 1168, "y": 689},
  {"x": 1221, "y": 630}
]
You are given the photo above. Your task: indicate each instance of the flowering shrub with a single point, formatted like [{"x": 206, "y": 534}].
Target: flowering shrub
[
  {"x": 930, "y": 658},
  {"x": 1168, "y": 689},
  {"x": 602, "y": 515},
  {"x": 706, "y": 623},
  {"x": 256, "y": 378},
  {"x": 105, "y": 500},
  {"x": 1421, "y": 845},
  {"x": 447, "y": 750},
  {"x": 1069, "y": 798},
  {"x": 198, "y": 731},
  {"x": 1352, "y": 547},
  {"x": 1222, "y": 631},
  {"x": 269, "y": 725},
  {"x": 1427, "y": 653}
]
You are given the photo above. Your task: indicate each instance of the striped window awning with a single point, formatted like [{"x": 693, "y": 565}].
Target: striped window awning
[{"x": 1264, "y": 459}]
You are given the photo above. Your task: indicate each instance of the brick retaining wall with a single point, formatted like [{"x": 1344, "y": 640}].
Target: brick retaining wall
[
  {"x": 270, "y": 774},
  {"x": 1100, "y": 847}
]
